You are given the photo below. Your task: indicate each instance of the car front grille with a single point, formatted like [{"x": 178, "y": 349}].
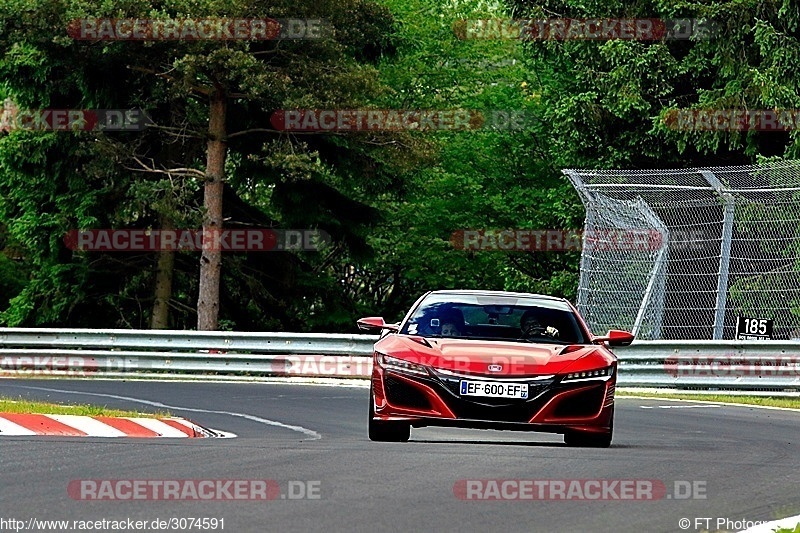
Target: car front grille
[
  {"x": 499, "y": 409},
  {"x": 402, "y": 394}
]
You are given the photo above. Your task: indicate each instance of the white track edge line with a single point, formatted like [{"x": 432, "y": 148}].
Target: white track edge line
[
  {"x": 727, "y": 404},
  {"x": 310, "y": 433}
]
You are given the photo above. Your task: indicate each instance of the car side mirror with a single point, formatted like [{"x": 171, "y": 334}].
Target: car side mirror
[
  {"x": 615, "y": 337},
  {"x": 376, "y": 324}
]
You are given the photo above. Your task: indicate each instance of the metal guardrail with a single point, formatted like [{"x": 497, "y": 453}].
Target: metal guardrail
[
  {"x": 711, "y": 364},
  {"x": 702, "y": 365},
  {"x": 184, "y": 354}
]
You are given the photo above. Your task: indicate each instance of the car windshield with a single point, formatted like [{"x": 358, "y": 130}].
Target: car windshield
[{"x": 502, "y": 318}]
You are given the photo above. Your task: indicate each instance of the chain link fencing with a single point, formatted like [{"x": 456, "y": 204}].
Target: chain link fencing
[{"x": 727, "y": 244}]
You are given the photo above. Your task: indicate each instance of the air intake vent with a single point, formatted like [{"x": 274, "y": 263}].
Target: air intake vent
[
  {"x": 586, "y": 403},
  {"x": 402, "y": 394}
]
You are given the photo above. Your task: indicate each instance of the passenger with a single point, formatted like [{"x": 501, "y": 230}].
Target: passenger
[{"x": 530, "y": 325}]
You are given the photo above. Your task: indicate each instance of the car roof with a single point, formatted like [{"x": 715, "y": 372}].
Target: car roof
[{"x": 500, "y": 293}]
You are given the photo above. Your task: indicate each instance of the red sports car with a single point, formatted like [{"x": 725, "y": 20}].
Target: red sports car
[{"x": 493, "y": 360}]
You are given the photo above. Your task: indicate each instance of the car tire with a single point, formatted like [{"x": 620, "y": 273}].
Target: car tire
[
  {"x": 591, "y": 440},
  {"x": 382, "y": 431}
]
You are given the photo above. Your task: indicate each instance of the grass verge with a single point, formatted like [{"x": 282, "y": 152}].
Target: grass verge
[
  {"x": 22, "y": 406},
  {"x": 769, "y": 401}
]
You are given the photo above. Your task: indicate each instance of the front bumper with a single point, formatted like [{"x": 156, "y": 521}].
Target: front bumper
[{"x": 552, "y": 405}]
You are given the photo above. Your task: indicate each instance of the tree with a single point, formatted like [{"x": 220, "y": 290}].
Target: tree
[
  {"x": 226, "y": 86},
  {"x": 484, "y": 179},
  {"x": 609, "y": 101}
]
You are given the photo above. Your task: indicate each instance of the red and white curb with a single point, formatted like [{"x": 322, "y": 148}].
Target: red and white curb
[{"x": 15, "y": 424}]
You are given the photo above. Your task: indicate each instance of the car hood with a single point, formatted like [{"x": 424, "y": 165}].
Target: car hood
[{"x": 475, "y": 356}]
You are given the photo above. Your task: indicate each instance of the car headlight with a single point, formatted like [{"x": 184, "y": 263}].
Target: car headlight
[
  {"x": 590, "y": 374},
  {"x": 394, "y": 363}
]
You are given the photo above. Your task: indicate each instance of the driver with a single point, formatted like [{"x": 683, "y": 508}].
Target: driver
[
  {"x": 450, "y": 329},
  {"x": 531, "y": 326},
  {"x": 452, "y": 323}
]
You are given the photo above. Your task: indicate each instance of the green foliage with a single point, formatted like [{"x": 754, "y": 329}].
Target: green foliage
[
  {"x": 481, "y": 179},
  {"x": 12, "y": 281},
  {"x": 54, "y": 182},
  {"x": 390, "y": 200},
  {"x": 608, "y": 100}
]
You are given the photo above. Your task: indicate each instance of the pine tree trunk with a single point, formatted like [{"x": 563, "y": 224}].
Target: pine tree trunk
[
  {"x": 165, "y": 266},
  {"x": 211, "y": 258},
  {"x": 163, "y": 291}
]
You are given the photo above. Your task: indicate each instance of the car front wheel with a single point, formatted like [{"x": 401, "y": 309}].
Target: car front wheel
[
  {"x": 383, "y": 431},
  {"x": 590, "y": 440}
]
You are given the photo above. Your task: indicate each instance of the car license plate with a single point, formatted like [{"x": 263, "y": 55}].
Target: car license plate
[{"x": 494, "y": 389}]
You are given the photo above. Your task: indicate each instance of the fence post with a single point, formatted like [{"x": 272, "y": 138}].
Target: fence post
[
  {"x": 725, "y": 252},
  {"x": 586, "y": 261}
]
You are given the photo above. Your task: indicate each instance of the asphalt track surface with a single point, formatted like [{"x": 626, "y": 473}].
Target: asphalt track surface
[{"x": 749, "y": 460}]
